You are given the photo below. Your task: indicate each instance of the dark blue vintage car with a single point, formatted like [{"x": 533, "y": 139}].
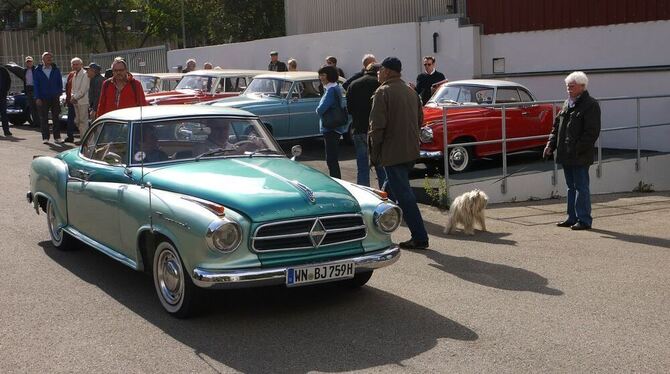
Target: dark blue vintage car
[{"x": 18, "y": 112}]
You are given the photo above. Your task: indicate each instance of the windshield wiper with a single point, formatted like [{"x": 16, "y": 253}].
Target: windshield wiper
[{"x": 213, "y": 152}]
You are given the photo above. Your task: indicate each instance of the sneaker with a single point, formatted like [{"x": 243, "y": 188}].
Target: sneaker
[
  {"x": 45, "y": 141},
  {"x": 414, "y": 244},
  {"x": 59, "y": 141}
]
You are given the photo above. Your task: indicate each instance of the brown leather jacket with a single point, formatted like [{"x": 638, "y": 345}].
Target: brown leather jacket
[{"x": 395, "y": 122}]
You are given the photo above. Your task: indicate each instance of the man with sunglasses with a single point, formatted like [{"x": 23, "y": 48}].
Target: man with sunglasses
[{"x": 426, "y": 80}]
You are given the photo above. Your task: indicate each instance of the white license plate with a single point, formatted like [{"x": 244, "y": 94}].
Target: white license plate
[{"x": 313, "y": 274}]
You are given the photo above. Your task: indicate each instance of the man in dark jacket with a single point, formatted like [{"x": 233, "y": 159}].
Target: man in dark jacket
[
  {"x": 5, "y": 83},
  {"x": 395, "y": 121},
  {"x": 359, "y": 104},
  {"x": 275, "y": 64},
  {"x": 48, "y": 88},
  {"x": 576, "y": 129},
  {"x": 367, "y": 60},
  {"x": 26, "y": 74},
  {"x": 93, "y": 72},
  {"x": 426, "y": 80}
]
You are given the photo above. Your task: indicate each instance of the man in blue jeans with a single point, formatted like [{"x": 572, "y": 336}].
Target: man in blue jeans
[
  {"x": 359, "y": 104},
  {"x": 395, "y": 120},
  {"x": 573, "y": 137}
]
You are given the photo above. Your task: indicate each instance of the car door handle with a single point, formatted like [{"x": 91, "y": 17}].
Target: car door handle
[{"x": 524, "y": 113}]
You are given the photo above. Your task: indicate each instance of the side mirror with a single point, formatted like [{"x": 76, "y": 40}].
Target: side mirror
[
  {"x": 112, "y": 159},
  {"x": 296, "y": 151}
]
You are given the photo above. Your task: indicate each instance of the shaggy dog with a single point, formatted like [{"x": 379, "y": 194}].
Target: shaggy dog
[{"x": 467, "y": 210}]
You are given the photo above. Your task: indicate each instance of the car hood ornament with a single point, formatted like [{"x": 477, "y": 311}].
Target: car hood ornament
[{"x": 305, "y": 190}]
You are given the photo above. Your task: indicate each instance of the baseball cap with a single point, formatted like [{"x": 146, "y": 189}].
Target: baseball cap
[
  {"x": 274, "y": 53},
  {"x": 392, "y": 63},
  {"x": 94, "y": 66},
  {"x": 28, "y": 58}
]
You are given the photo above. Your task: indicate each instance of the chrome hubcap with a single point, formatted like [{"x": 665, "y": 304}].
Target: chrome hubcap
[
  {"x": 170, "y": 277},
  {"x": 458, "y": 158},
  {"x": 54, "y": 227}
]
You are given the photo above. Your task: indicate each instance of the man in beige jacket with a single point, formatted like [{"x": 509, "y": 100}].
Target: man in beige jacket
[
  {"x": 395, "y": 122},
  {"x": 79, "y": 98}
]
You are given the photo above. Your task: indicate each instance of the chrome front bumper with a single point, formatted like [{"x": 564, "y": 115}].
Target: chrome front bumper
[
  {"x": 430, "y": 155},
  {"x": 208, "y": 278}
]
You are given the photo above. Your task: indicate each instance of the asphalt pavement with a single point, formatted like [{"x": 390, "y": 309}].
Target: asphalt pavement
[{"x": 524, "y": 297}]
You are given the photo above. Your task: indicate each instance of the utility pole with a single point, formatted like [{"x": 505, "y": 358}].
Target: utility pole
[{"x": 183, "y": 26}]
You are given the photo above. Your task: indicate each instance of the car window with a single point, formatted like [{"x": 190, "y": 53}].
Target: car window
[
  {"x": 507, "y": 95},
  {"x": 88, "y": 145},
  {"x": 235, "y": 84},
  {"x": 306, "y": 90},
  {"x": 196, "y": 82},
  {"x": 112, "y": 140},
  {"x": 525, "y": 96},
  {"x": 188, "y": 138},
  {"x": 269, "y": 87}
]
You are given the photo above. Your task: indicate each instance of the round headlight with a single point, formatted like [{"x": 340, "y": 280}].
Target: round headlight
[
  {"x": 426, "y": 135},
  {"x": 387, "y": 217},
  {"x": 10, "y": 100},
  {"x": 224, "y": 235}
]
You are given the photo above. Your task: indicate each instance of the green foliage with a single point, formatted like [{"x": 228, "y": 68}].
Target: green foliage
[
  {"x": 439, "y": 195},
  {"x": 112, "y": 25}
]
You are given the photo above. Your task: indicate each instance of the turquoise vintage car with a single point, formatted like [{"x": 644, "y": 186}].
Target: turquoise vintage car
[
  {"x": 285, "y": 102},
  {"x": 201, "y": 196}
]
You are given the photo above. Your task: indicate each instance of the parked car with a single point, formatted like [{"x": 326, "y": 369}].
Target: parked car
[
  {"x": 158, "y": 82},
  {"x": 479, "y": 122},
  {"x": 285, "y": 102},
  {"x": 201, "y": 196},
  {"x": 18, "y": 112},
  {"x": 205, "y": 85}
]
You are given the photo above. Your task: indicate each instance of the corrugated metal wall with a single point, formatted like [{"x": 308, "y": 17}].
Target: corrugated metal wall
[
  {"x": 16, "y": 45},
  {"x": 310, "y": 16},
  {"x": 140, "y": 60},
  {"x": 502, "y": 16}
]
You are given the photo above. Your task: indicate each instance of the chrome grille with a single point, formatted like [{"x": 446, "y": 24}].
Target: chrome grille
[{"x": 309, "y": 233}]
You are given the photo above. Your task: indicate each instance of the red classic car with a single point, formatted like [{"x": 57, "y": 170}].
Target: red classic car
[
  {"x": 205, "y": 85},
  {"x": 479, "y": 122}
]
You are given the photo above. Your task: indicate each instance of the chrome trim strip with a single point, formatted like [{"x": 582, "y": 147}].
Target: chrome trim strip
[
  {"x": 214, "y": 278},
  {"x": 101, "y": 247},
  {"x": 255, "y": 236}
]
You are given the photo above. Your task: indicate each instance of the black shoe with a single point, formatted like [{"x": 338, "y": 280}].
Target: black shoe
[
  {"x": 580, "y": 226},
  {"x": 414, "y": 244},
  {"x": 565, "y": 223},
  {"x": 68, "y": 140},
  {"x": 8, "y": 133}
]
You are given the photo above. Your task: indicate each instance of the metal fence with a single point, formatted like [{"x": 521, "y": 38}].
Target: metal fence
[
  {"x": 504, "y": 140},
  {"x": 140, "y": 60}
]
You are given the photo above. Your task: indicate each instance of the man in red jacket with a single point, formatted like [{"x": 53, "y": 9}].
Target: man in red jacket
[{"x": 121, "y": 90}]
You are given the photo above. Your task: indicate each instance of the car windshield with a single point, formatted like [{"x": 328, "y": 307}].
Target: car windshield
[
  {"x": 197, "y": 82},
  {"x": 269, "y": 87},
  {"x": 462, "y": 94},
  {"x": 149, "y": 82},
  {"x": 200, "y": 138}
]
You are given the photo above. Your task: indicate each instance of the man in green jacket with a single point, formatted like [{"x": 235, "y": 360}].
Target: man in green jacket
[{"x": 395, "y": 122}]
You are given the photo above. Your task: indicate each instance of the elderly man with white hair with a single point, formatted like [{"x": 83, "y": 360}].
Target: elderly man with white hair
[
  {"x": 79, "y": 96},
  {"x": 573, "y": 137},
  {"x": 367, "y": 60}
]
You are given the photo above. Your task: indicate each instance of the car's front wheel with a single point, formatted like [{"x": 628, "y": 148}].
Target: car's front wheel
[
  {"x": 59, "y": 238},
  {"x": 173, "y": 285},
  {"x": 460, "y": 158}
]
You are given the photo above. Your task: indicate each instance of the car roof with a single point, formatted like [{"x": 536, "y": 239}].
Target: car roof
[
  {"x": 161, "y": 75},
  {"x": 290, "y": 75},
  {"x": 226, "y": 72},
  {"x": 486, "y": 82},
  {"x": 154, "y": 112}
]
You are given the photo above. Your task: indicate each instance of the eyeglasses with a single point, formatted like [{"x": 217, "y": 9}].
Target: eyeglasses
[
  {"x": 428, "y": 64},
  {"x": 118, "y": 70}
]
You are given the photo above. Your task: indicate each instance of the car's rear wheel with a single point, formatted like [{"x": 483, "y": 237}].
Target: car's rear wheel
[
  {"x": 59, "y": 238},
  {"x": 460, "y": 158},
  {"x": 359, "y": 280},
  {"x": 174, "y": 287}
]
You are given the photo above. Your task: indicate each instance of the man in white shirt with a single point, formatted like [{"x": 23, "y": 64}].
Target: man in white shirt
[{"x": 79, "y": 98}]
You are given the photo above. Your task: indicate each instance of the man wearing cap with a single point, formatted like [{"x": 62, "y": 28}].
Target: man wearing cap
[
  {"x": 48, "y": 88},
  {"x": 79, "y": 97},
  {"x": 95, "y": 86},
  {"x": 275, "y": 64},
  {"x": 25, "y": 73},
  {"x": 395, "y": 121}
]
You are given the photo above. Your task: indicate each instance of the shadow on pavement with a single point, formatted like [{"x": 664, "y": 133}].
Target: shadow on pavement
[
  {"x": 488, "y": 237},
  {"x": 12, "y": 138},
  {"x": 491, "y": 275},
  {"x": 640, "y": 239},
  {"x": 321, "y": 328}
]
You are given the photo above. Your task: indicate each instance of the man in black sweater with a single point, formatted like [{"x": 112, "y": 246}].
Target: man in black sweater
[
  {"x": 426, "y": 80},
  {"x": 359, "y": 104}
]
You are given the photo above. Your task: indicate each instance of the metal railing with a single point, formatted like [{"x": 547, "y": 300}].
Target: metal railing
[{"x": 504, "y": 139}]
